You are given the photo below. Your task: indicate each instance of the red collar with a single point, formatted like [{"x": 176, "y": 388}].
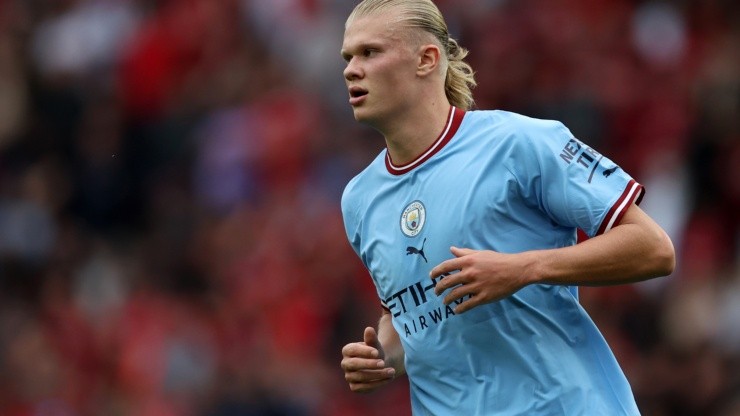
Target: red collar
[{"x": 454, "y": 119}]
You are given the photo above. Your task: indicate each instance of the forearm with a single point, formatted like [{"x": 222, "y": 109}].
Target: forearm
[
  {"x": 637, "y": 249},
  {"x": 391, "y": 342}
]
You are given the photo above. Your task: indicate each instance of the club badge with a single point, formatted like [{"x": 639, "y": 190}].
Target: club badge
[{"x": 413, "y": 218}]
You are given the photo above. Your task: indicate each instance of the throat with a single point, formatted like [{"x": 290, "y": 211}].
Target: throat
[{"x": 405, "y": 152}]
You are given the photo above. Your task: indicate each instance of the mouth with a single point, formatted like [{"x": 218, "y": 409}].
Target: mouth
[{"x": 357, "y": 95}]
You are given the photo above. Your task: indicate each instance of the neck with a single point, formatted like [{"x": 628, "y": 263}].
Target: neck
[{"x": 414, "y": 133}]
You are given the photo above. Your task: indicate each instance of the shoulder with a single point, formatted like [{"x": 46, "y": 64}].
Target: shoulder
[
  {"x": 513, "y": 126},
  {"x": 506, "y": 118},
  {"x": 360, "y": 187},
  {"x": 515, "y": 131}
]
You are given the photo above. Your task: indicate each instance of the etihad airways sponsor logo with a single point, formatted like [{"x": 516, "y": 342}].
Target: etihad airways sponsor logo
[{"x": 407, "y": 301}]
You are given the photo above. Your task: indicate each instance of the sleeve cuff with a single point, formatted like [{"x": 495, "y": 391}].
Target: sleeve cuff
[{"x": 633, "y": 192}]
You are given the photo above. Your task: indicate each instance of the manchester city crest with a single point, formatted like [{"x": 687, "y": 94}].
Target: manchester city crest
[{"x": 412, "y": 219}]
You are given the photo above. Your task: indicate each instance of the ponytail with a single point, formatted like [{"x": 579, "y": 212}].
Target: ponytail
[{"x": 460, "y": 78}]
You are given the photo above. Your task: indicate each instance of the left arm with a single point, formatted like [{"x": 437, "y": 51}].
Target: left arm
[{"x": 636, "y": 249}]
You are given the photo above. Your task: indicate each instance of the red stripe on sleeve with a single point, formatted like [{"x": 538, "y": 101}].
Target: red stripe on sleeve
[{"x": 632, "y": 193}]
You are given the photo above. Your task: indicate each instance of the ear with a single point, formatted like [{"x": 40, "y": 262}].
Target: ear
[{"x": 429, "y": 59}]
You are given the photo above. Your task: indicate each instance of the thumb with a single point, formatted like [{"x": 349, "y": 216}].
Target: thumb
[
  {"x": 459, "y": 252},
  {"x": 371, "y": 338}
]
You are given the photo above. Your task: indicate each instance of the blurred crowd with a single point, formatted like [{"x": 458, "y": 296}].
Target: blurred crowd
[{"x": 170, "y": 172}]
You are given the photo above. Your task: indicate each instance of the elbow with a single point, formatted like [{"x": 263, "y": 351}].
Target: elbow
[{"x": 664, "y": 256}]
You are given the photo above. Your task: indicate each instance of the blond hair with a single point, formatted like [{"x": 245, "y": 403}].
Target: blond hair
[{"x": 424, "y": 15}]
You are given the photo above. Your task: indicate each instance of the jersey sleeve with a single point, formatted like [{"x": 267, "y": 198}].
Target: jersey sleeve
[
  {"x": 350, "y": 219},
  {"x": 352, "y": 223},
  {"x": 573, "y": 183}
]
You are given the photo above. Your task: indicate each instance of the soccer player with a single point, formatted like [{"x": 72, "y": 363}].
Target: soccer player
[{"x": 467, "y": 224}]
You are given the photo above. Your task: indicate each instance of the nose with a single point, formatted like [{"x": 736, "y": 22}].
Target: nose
[{"x": 352, "y": 71}]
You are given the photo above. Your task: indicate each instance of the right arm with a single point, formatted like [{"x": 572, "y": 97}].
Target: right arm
[
  {"x": 391, "y": 343},
  {"x": 375, "y": 361}
]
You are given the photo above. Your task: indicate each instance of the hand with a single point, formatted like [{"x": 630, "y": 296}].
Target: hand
[
  {"x": 483, "y": 276},
  {"x": 363, "y": 363}
]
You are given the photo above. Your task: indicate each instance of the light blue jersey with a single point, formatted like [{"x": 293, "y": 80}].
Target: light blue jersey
[{"x": 500, "y": 181}]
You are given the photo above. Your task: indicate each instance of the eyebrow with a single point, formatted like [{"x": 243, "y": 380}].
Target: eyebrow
[{"x": 361, "y": 46}]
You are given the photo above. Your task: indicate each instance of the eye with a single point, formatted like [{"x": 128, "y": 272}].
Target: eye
[{"x": 368, "y": 52}]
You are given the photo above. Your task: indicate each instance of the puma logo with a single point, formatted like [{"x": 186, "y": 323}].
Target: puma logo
[
  {"x": 610, "y": 171},
  {"x": 419, "y": 251}
]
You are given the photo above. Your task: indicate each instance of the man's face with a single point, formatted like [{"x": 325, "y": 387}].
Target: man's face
[{"x": 381, "y": 68}]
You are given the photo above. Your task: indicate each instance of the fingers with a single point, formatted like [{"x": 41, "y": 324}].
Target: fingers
[
  {"x": 458, "y": 293},
  {"x": 369, "y": 376},
  {"x": 473, "y": 301},
  {"x": 358, "y": 363},
  {"x": 364, "y": 368},
  {"x": 371, "y": 338},
  {"x": 367, "y": 381},
  {"x": 461, "y": 283},
  {"x": 448, "y": 266},
  {"x": 459, "y": 252},
  {"x": 445, "y": 267},
  {"x": 361, "y": 350},
  {"x": 450, "y": 281},
  {"x": 451, "y": 265},
  {"x": 366, "y": 355}
]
